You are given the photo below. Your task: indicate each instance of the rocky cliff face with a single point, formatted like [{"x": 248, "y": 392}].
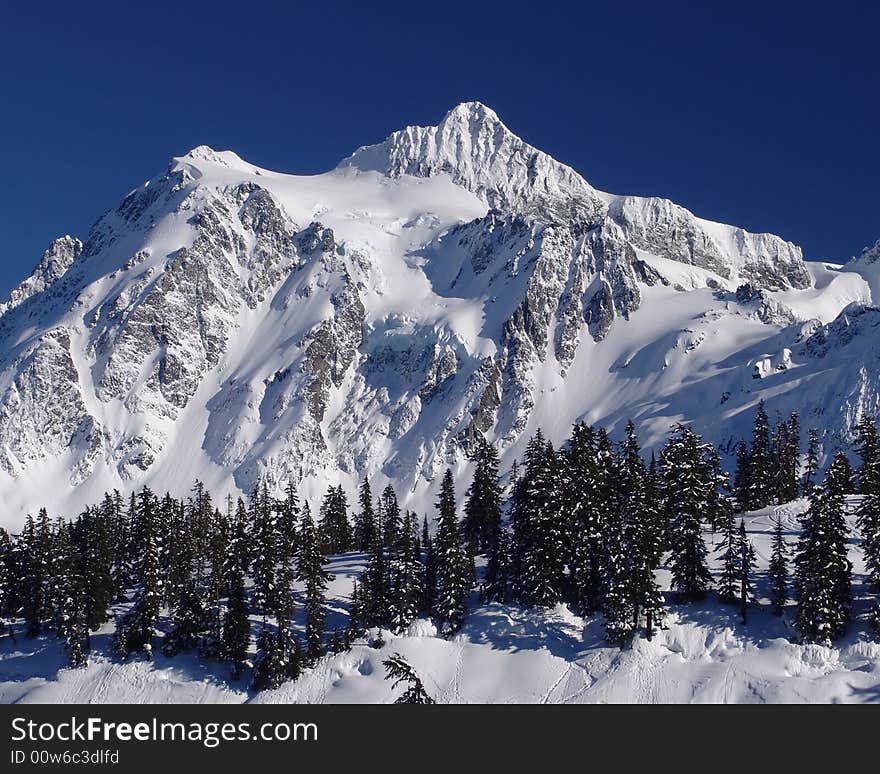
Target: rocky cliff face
[{"x": 237, "y": 324}]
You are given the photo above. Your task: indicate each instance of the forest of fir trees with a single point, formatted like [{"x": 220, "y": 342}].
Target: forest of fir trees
[{"x": 587, "y": 524}]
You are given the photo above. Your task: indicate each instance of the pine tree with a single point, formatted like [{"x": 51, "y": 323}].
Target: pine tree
[
  {"x": 236, "y": 622},
  {"x": 407, "y": 573},
  {"x": 93, "y": 534},
  {"x": 376, "y": 581},
  {"x": 236, "y": 625},
  {"x": 845, "y": 477},
  {"x": 719, "y": 504},
  {"x": 453, "y": 573},
  {"x": 742, "y": 484},
  {"x": 365, "y": 520},
  {"x": 728, "y": 581},
  {"x": 868, "y": 448},
  {"x": 482, "y": 509},
  {"x": 272, "y": 663},
  {"x": 585, "y": 505},
  {"x": 36, "y": 547},
  {"x": 762, "y": 488},
  {"x": 656, "y": 513},
  {"x": 311, "y": 572},
  {"x": 429, "y": 589},
  {"x": 267, "y": 551},
  {"x": 811, "y": 464},
  {"x": 288, "y": 530},
  {"x": 279, "y": 656},
  {"x": 686, "y": 486},
  {"x": 68, "y": 598},
  {"x": 789, "y": 475},
  {"x": 7, "y": 581},
  {"x": 538, "y": 531},
  {"x": 618, "y": 582},
  {"x": 822, "y": 568},
  {"x": 778, "y": 570},
  {"x": 357, "y": 613},
  {"x": 497, "y": 581},
  {"x": 216, "y": 585},
  {"x": 400, "y": 671},
  {"x": 136, "y": 629},
  {"x": 334, "y": 530},
  {"x": 189, "y": 621},
  {"x": 122, "y": 554},
  {"x": 746, "y": 568},
  {"x": 786, "y": 457},
  {"x": 390, "y": 520}
]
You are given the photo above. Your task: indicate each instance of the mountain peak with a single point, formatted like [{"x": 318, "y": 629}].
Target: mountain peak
[
  {"x": 479, "y": 153},
  {"x": 202, "y": 153},
  {"x": 472, "y": 112}
]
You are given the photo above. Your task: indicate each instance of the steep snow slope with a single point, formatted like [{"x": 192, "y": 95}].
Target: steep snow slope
[
  {"x": 233, "y": 324},
  {"x": 509, "y": 655}
]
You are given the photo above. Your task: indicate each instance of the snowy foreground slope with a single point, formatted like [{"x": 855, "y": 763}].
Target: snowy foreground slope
[
  {"x": 507, "y": 655},
  {"x": 234, "y": 324}
]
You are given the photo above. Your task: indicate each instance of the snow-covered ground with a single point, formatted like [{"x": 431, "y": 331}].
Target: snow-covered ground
[{"x": 505, "y": 654}]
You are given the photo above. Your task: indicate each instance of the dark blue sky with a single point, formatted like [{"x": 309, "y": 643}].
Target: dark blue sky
[{"x": 763, "y": 114}]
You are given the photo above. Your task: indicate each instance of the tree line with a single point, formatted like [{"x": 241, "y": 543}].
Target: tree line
[{"x": 587, "y": 524}]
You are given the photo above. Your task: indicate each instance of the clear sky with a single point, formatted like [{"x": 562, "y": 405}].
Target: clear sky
[{"x": 766, "y": 115}]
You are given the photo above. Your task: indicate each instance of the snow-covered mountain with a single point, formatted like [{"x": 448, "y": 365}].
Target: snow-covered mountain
[{"x": 230, "y": 323}]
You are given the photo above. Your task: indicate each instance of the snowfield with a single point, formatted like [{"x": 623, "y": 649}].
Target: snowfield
[{"x": 506, "y": 654}]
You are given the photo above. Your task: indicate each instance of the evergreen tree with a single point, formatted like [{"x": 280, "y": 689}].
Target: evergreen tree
[
  {"x": 390, "y": 520},
  {"x": 719, "y": 504},
  {"x": 288, "y": 531},
  {"x": 786, "y": 452},
  {"x": 538, "y": 531},
  {"x": 686, "y": 486},
  {"x": 365, "y": 520},
  {"x": 357, "y": 622},
  {"x": 136, "y": 629},
  {"x": 762, "y": 486},
  {"x": 429, "y": 589},
  {"x": 618, "y": 582},
  {"x": 7, "y": 582},
  {"x": 822, "y": 568},
  {"x": 407, "y": 573},
  {"x": 497, "y": 580},
  {"x": 742, "y": 484},
  {"x": 728, "y": 581},
  {"x": 376, "y": 581},
  {"x": 188, "y": 620},
  {"x": 778, "y": 570},
  {"x": 68, "y": 597},
  {"x": 267, "y": 551},
  {"x": 400, "y": 671},
  {"x": 36, "y": 548},
  {"x": 236, "y": 622},
  {"x": 482, "y": 509},
  {"x": 334, "y": 530},
  {"x": 217, "y": 585},
  {"x": 746, "y": 568},
  {"x": 278, "y": 659},
  {"x": 811, "y": 464},
  {"x": 656, "y": 513},
  {"x": 93, "y": 534},
  {"x": 844, "y": 478},
  {"x": 868, "y": 520},
  {"x": 453, "y": 573},
  {"x": 868, "y": 448},
  {"x": 311, "y": 572}
]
